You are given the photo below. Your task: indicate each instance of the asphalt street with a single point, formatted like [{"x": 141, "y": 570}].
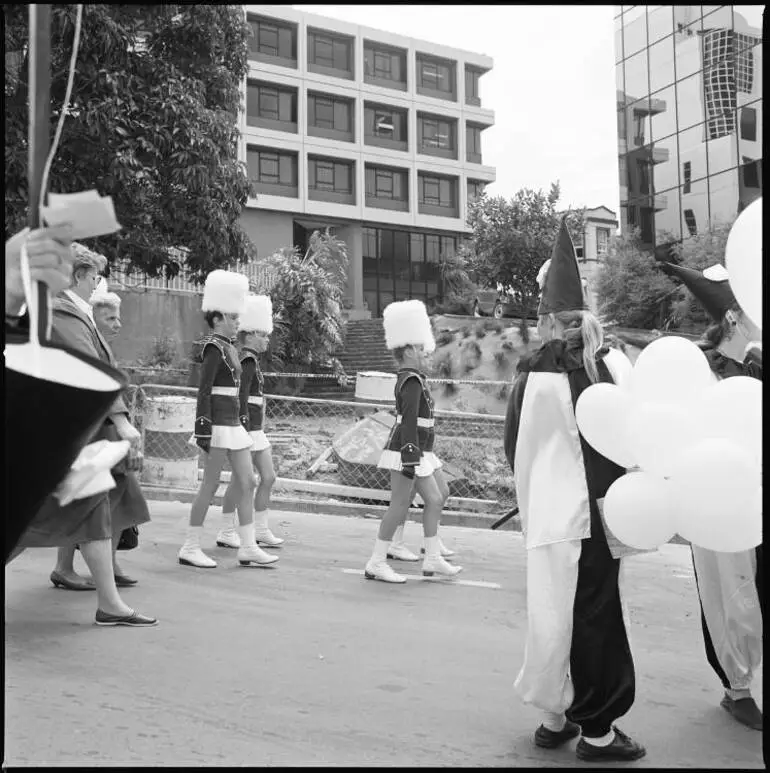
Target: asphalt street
[{"x": 309, "y": 664}]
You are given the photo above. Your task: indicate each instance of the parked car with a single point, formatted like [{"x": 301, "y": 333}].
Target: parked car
[{"x": 501, "y": 304}]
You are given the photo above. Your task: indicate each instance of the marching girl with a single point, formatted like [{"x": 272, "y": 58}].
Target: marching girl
[
  {"x": 578, "y": 667},
  {"x": 409, "y": 453},
  {"x": 254, "y": 328},
  {"x": 730, "y": 586},
  {"x": 218, "y": 428}
]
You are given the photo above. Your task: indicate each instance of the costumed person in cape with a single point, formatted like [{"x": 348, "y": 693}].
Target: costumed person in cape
[
  {"x": 255, "y": 326},
  {"x": 219, "y": 430},
  {"x": 730, "y": 586},
  {"x": 408, "y": 453},
  {"x": 578, "y": 667}
]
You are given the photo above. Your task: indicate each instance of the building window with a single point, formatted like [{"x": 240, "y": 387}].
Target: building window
[
  {"x": 271, "y": 106},
  {"x": 689, "y": 219},
  {"x": 473, "y": 144},
  {"x": 438, "y": 195},
  {"x": 472, "y": 96},
  {"x": 326, "y": 51},
  {"x": 272, "y": 40},
  {"x": 272, "y": 171},
  {"x": 475, "y": 190},
  {"x": 329, "y": 175},
  {"x": 751, "y": 171},
  {"x": 384, "y": 66},
  {"x": 387, "y": 188},
  {"x": 749, "y": 124},
  {"x": 687, "y": 176},
  {"x": 437, "y": 136},
  {"x": 602, "y": 241},
  {"x": 385, "y": 126},
  {"x": 435, "y": 76},
  {"x": 330, "y": 116}
]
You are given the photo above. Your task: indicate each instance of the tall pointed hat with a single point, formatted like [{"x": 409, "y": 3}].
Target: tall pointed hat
[
  {"x": 711, "y": 287},
  {"x": 562, "y": 288}
]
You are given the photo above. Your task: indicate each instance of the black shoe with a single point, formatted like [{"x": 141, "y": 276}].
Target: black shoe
[
  {"x": 60, "y": 581},
  {"x": 622, "y": 749},
  {"x": 552, "y": 739},
  {"x": 122, "y": 581},
  {"x": 745, "y": 710},
  {"x": 134, "y": 620}
]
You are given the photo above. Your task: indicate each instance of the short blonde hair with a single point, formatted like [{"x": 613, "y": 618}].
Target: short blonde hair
[
  {"x": 107, "y": 300},
  {"x": 86, "y": 260}
]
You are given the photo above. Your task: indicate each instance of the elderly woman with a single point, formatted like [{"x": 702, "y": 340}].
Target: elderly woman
[
  {"x": 128, "y": 507},
  {"x": 86, "y": 522}
]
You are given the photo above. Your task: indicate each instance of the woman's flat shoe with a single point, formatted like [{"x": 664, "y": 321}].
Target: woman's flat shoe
[
  {"x": 133, "y": 620},
  {"x": 60, "y": 581},
  {"x": 121, "y": 581}
]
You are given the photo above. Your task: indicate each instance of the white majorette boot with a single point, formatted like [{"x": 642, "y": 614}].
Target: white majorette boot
[
  {"x": 262, "y": 532},
  {"x": 434, "y": 562},
  {"x": 228, "y": 537},
  {"x": 377, "y": 568},
  {"x": 443, "y": 550},
  {"x": 249, "y": 552},
  {"x": 398, "y": 549},
  {"x": 190, "y": 554}
]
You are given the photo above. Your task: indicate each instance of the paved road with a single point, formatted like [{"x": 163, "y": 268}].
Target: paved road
[{"x": 309, "y": 665}]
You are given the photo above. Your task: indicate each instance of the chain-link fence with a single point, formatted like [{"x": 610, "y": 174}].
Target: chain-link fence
[{"x": 329, "y": 449}]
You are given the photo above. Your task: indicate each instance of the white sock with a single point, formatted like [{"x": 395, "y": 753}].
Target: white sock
[
  {"x": 737, "y": 695},
  {"x": 193, "y": 539},
  {"x": 398, "y": 537},
  {"x": 432, "y": 549},
  {"x": 260, "y": 519},
  {"x": 246, "y": 533},
  {"x": 380, "y": 550},
  {"x": 604, "y": 740},
  {"x": 553, "y": 721}
]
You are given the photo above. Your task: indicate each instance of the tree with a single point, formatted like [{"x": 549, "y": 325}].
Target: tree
[
  {"x": 698, "y": 252},
  {"x": 631, "y": 290},
  {"x": 152, "y": 123},
  {"x": 307, "y": 297},
  {"x": 511, "y": 239}
]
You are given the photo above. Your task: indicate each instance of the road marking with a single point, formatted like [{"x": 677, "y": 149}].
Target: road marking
[{"x": 467, "y": 583}]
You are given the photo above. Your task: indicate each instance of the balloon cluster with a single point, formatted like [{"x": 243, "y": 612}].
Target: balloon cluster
[{"x": 692, "y": 445}]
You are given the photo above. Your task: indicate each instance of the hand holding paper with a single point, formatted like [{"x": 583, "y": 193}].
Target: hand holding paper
[
  {"x": 90, "y": 473},
  {"x": 89, "y": 213}
]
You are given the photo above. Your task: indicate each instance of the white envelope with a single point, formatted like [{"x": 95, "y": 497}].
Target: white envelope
[
  {"x": 89, "y": 214},
  {"x": 90, "y": 472}
]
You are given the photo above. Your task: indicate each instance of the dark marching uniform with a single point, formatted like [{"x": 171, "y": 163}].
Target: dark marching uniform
[
  {"x": 218, "y": 412},
  {"x": 410, "y": 443},
  {"x": 252, "y": 399},
  {"x": 578, "y": 659}
]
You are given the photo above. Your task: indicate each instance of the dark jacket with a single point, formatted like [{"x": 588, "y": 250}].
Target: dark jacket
[{"x": 413, "y": 433}]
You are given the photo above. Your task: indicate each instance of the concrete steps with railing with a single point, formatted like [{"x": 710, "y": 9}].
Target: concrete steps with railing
[{"x": 364, "y": 348}]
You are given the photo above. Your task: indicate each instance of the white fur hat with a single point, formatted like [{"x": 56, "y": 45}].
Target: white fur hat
[
  {"x": 542, "y": 273},
  {"x": 407, "y": 323},
  {"x": 225, "y": 291},
  {"x": 257, "y": 315}
]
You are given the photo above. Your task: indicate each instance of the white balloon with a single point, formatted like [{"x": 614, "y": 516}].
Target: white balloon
[
  {"x": 601, "y": 412},
  {"x": 671, "y": 369},
  {"x": 714, "y": 486},
  {"x": 732, "y": 409},
  {"x": 743, "y": 258},
  {"x": 659, "y": 434},
  {"x": 639, "y": 510}
]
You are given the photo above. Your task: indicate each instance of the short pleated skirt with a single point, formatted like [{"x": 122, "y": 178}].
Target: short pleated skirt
[
  {"x": 259, "y": 440},
  {"x": 429, "y": 463},
  {"x": 232, "y": 438}
]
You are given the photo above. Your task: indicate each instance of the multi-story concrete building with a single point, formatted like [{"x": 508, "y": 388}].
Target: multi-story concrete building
[
  {"x": 689, "y": 110},
  {"x": 375, "y": 135}
]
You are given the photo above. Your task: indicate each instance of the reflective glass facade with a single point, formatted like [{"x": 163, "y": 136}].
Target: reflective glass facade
[{"x": 689, "y": 113}]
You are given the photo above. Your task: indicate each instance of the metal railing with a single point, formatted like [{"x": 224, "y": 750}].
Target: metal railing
[{"x": 329, "y": 448}]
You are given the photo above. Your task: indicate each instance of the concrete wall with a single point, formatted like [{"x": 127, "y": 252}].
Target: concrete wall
[
  {"x": 152, "y": 314},
  {"x": 268, "y": 230}
]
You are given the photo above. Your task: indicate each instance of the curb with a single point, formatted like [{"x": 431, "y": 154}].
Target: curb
[{"x": 372, "y": 512}]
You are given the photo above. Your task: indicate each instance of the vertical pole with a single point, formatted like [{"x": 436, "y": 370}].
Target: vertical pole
[
  {"x": 39, "y": 133},
  {"x": 39, "y": 136}
]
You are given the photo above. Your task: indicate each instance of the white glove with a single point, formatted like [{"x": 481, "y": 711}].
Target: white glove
[
  {"x": 90, "y": 472},
  {"x": 126, "y": 430}
]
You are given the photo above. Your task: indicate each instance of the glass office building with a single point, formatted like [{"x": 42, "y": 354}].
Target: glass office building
[{"x": 689, "y": 112}]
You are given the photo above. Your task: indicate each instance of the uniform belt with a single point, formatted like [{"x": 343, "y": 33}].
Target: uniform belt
[
  {"x": 420, "y": 421},
  {"x": 253, "y": 400},
  {"x": 228, "y": 391}
]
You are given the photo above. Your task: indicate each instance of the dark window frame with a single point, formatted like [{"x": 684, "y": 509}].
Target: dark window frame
[
  {"x": 431, "y": 199},
  {"x": 327, "y": 61},
  {"x": 327, "y": 126},
  {"x": 686, "y": 176},
  {"x": 383, "y": 187},
  {"x": 325, "y": 176},
  {"x": 266, "y": 42},
  {"x": 473, "y": 143},
  {"x": 396, "y": 138},
  {"x": 268, "y": 168},
  {"x": 748, "y": 123},
  {"x": 691, "y": 222},
  {"x": 472, "y": 76},
  {"x": 431, "y": 86},
  {"x": 379, "y": 65}
]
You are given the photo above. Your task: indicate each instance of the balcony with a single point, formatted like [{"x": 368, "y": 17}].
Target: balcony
[
  {"x": 659, "y": 155},
  {"x": 649, "y": 106}
]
